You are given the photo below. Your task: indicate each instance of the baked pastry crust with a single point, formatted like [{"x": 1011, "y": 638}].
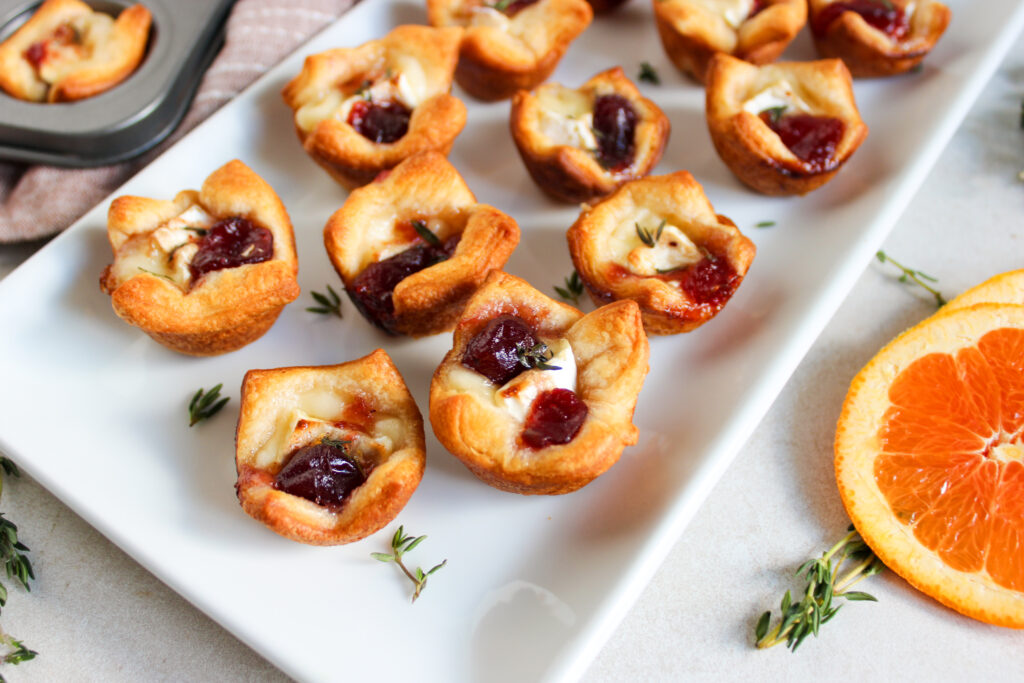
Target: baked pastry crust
[
  {"x": 869, "y": 52},
  {"x": 425, "y": 56},
  {"x": 692, "y": 31},
  {"x": 364, "y": 401},
  {"x": 224, "y": 309},
  {"x": 369, "y": 227},
  {"x": 751, "y": 150},
  {"x": 611, "y": 353},
  {"x": 82, "y": 53},
  {"x": 501, "y": 55},
  {"x": 614, "y": 264},
  {"x": 571, "y": 173}
]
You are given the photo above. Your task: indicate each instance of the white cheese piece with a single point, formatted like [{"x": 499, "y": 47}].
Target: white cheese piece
[
  {"x": 778, "y": 94},
  {"x": 408, "y": 85},
  {"x": 488, "y": 16},
  {"x": 673, "y": 250},
  {"x": 519, "y": 393},
  {"x": 167, "y": 251},
  {"x": 566, "y": 117},
  {"x": 734, "y": 12}
]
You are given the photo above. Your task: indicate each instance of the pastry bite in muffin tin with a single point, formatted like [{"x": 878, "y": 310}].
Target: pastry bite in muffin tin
[
  {"x": 509, "y": 45},
  {"x": 658, "y": 241},
  {"x": 582, "y": 143},
  {"x": 359, "y": 111},
  {"x": 207, "y": 272},
  {"x": 328, "y": 455},
  {"x": 66, "y": 51},
  {"x": 783, "y": 128},
  {"x": 877, "y": 37},
  {"x": 412, "y": 246},
  {"x": 534, "y": 397},
  {"x": 692, "y": 31}
]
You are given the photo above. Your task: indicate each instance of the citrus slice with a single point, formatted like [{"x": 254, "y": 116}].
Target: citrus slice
[
  {"x": 1005, "y": 288},
  {"x": 930, "y": 459}
]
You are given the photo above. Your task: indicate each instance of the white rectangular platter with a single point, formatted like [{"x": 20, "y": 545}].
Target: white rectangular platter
[{"x": 96, "y": 411}]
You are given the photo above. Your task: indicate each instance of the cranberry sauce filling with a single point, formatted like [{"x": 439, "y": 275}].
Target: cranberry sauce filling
[
  {"x": 812, "y": 139},
  {"x": 515, "y": 7},
  {"x": 232, "y": 242},
  {"x": 65, "y": 34},
  {"x": 385, "y": 121},
  {"x": 371, "y": 291},
  {"x": 615, "y": 126},
  {"x": 555, "y": 418},
  {"x": 710, "y": 281},
  {"x": 36, "y": 53},
  {"x": 495, "y": 351},
  {"x": 883, "y": 15},
  {"x": 322, "y": 472}
]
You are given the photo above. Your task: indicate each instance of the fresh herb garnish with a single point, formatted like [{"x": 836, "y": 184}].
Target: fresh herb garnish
[
  {"x": 400, "y": 545},
  {"x": 201, "y": 232},
  {"x": 914, "y": 275},
  {"x": 774, "y": 113},
  {"x": 824, "y": 584},
  {"x": 573, "y": 289},
  {"x": 537, "y": 356},
  {"x": 364, "y": 91},
  {"x": 18, "y": 567},
  {"x": 1022, "y": 114},
  {"x": 501, "y": 5},
  {"x": 150, "y": 272},
  {"x": 205, "y": 404},
  {"x": 764, "y": 224},
  {"x": 330, "y": 304},
  {"x": 336, "y": 443},
  {"x": 647, "y": 237},
  {"x": 648, "y": 74},
  {"x": 917, "y": 68},
  {"x": 18, "y": 654},
  {"x": 424, "y": 232}
]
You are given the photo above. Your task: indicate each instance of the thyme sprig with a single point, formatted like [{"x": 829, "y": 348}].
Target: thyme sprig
[
  {"x": 573, "y": 289},
  {"x": 537, "y": 356},
  {"x": 400, "y": 545},
  {"x": 915, "y": 276},
  {"x": 18, "y": 567},
  {"x": 501, "y": 5},
  {"x": 764, "y": 224},
  {"x": 649, "y": 237},
  {"x": 825, "y": 583},
  {"x": 330, "y": 303},
  {"x": 648, "y": 74},
  {"x": 425, "y": 233},
  {"x": 774, "y": 113},
  {"x": 150, "y": 272},
  {"x": 336, "y": 443},
  {"x": 18, "y": 654},
  {"x": 204, "y": 404}
]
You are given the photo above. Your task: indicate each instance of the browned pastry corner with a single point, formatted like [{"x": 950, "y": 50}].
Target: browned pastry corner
[
  {"x": 783, "y": 128},
  {"x": 534, "y": 397},
  {"x": 328, "y": 455},
  {"x": 67, "y": 52},
  {"x": 512, "y": 48},
  {"x": 359, "y": 111},
  {"x": 207, "y": 272},
  {"x": 584, "y": 143},
  {"x": 658, "y": 241},
  {"x": 877, "y": 37},
  {"x": 692, "y": 31},
  {"x": 413, "y": 246}
]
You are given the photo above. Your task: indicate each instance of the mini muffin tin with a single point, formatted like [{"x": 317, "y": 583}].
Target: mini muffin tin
[{"x": 134, "y": 115}]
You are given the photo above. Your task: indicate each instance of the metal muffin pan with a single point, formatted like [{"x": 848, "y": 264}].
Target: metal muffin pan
[{"x": 134, "y": 115}]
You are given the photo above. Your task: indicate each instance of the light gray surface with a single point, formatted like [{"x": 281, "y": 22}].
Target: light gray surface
[{"x": 94, "y": 614}]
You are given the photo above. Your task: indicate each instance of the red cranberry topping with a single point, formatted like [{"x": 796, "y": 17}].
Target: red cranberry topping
[
  {"x": 555, "y": 418},
  {"x": 232, "y": 242},
  {"x": 494, "y": 351},
  {"x": 811, "y": 138},
  {"x": 372, "y": 289},
  {"x": 516, "y": 6},
  {"x": 712, "y": 280},
  {"x": 323, "y": 473},
  {"x": 881, "y": 14},
  {"x": 615, "y": 126},
  {"x": 385, "y": 121},
  {"x": 36, "y": 53}
]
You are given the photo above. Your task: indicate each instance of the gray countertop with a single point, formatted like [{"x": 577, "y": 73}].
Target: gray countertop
[{"x": 94, "y": 614}]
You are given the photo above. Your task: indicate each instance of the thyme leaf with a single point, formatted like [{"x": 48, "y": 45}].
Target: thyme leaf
[
  {"x": 915, "y": 276},
  {"x": 765, "y": 224},
  {"x": 150, "y": 272},
  {"x": 204, "y": 404},
  {"x": 501, "y": 5},
  {"x": 330, "y": 303},
  {"x": 201, "y": 232},
  {"x": 400, "y": 545},
  {"x": 336, "y": 443},
  {"x": 774, "y": 113},
  {"x": 424, "y": 232},
  {"x": 648, "y": 74},
  {"x": 647, "y": 237},
  {"x": 573, "y": 289},
  {"x": 537, "y": 356}
]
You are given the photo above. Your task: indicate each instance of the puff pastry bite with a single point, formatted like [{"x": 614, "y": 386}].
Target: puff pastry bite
[
  {"x": 66, "y": 51},
  {"x": 783, "y": 128},
  {"x": 207, "y": 272},
  {"x": 692, "y": 31},
  {"x": 328, "y": 455},
  {"x": 535, "y": 397},
  {"x": 584, "y": 143},
  {"x": 658, "y": 241},
  {"x": 362, "y": 110},
  {"x": 877, "y": 37},
  {"x": 412, "y": 246},
  {"x": 509, "y": 45}
]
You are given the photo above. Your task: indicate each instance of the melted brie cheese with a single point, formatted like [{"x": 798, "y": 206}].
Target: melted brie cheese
[
  {"x": 778, "y": 94},
  {"x": 566, "y": 117},
  {"x": 409, "y": 87},
  {"x": 165, "y": 252},
  {"x": 519, "y": 393},
  {"x": 734, "y": 12},
  {"x": 93, "y": 31},
  {"x": 672, "y": 250},
  {"x": 488, "y": 16}
]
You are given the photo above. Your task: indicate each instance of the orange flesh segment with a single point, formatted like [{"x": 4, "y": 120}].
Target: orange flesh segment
[{"x": 937, "y": 469}]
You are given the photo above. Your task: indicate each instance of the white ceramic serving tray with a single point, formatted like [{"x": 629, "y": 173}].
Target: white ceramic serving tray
[{"x": 96, "y": 411}]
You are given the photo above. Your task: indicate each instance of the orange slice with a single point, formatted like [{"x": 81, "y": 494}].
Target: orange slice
[
  {"x": 930, "y": 459},
  {"x": 1005, "y": 288}
]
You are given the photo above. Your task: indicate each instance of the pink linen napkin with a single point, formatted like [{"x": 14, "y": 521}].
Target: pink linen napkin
[{"x": 37, "y": 201}]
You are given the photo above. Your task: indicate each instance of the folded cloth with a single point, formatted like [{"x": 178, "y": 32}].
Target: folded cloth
[{"x": 37, "y": 201}]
